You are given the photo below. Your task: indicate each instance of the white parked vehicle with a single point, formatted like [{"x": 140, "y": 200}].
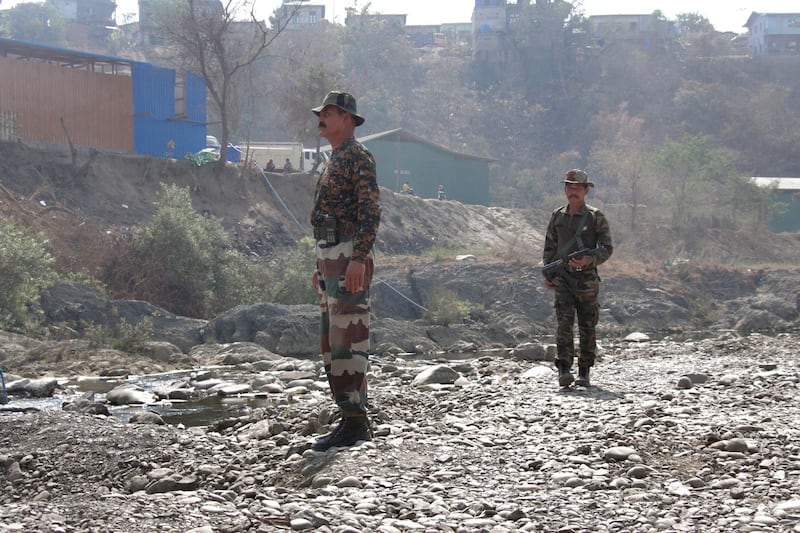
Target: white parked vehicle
[{"x": 309, "y": 158}]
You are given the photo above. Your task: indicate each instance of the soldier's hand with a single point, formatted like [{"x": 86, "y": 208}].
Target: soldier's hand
[
  {"x": 354, "y": 276},
  {"x": 549, "y": 283},
  {"x": 579, "y": 263},
  {"x": 315, "y": 281}
]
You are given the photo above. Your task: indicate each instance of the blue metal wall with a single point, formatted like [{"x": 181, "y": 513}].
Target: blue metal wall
[{"x": 156, "y": 130}]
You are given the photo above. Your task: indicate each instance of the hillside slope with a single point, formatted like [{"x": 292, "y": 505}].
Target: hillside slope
[
  {"x": 654, "y": 282},
  {"x": 110, "y": 192},
  {"x": 80, "y": 205}
]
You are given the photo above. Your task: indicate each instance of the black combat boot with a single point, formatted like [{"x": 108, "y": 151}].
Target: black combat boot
[
  {"x": 583, "y": 376},
  {"x": 565, "y": 378},
  {"x": 351, "y": 430},
  {"x": 322, "y": 442}
]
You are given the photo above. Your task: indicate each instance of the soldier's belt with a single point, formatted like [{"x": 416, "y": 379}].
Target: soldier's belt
[{"x": 343, "y": 231}]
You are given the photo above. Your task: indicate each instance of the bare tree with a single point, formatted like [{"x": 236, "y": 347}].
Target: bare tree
[
  {"x": 207, "y": 37},
  {"x": 622, "y": 155}
]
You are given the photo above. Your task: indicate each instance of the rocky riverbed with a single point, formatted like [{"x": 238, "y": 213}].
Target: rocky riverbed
[{"x": 672, "y": 436}]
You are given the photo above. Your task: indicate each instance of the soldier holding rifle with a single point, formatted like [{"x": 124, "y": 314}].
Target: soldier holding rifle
[{"x": 575, "y": 227}]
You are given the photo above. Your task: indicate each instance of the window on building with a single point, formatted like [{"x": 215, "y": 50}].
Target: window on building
[{"x": 180, "y": 94}]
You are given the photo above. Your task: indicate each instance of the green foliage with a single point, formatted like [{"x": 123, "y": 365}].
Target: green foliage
[
  {"x": 288, "y": 277},
  {"x": 26, "y": 267},
  {"x": 125, "y": 337},
  {"x": 184, "y": 262},
  {"x": 295, "y": 103},
  {"x": 693, "y": 22},
  {"x": 445, "y": 308},
  {"x": 39, "y": 23},
  {"x": 692, "y": 173},
  {"x": 702, "y": 310}
]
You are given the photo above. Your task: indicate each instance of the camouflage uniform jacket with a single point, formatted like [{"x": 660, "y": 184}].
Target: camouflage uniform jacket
[
  {"x": 348, "y": 189},
  {"x": 560, "y": 237}
]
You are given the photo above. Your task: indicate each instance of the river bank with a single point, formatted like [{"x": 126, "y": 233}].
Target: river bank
[{"x": 673, "y": 436}]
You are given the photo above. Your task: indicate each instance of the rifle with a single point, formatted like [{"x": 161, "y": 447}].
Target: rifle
[
  {"x": 3, "y": 393},
  {"x": 558, "y": 267}
]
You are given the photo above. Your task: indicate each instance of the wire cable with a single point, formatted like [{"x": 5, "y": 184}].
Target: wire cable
[{"x": 307, "y": 234}]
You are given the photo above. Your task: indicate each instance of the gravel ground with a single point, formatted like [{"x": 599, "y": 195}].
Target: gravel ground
[{"x": 673, "y": 436}]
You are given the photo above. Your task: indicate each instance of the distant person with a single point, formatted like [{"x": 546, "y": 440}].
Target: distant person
[
  {"x": 345, "y": 218},
  {"x": 572, "y": 227},
  {"x": 270, "y": 166},
  {"x": 440, "y": 194},
  {"x": 287, "y": 167},
  {"x": 405, "y": 188}
]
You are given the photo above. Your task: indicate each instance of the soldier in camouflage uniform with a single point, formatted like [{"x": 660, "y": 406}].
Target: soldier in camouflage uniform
[
  {"x": 572, "y": 227},
  {"x": 345, "y": 219}
]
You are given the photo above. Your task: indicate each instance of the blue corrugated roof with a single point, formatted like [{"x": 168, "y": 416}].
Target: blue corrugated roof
[{"x": 56, "y": 53}]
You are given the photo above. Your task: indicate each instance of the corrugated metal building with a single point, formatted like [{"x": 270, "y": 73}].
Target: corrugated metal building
[
  {"x": 787, "y": 192},
  {"x": 401, "y": 156},
  {"x": 104, "y": 102}
]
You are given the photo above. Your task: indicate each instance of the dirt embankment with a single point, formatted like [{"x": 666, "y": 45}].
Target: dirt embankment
[
  {"x": 112, "y": 191},
  {"x": 83, "y": 203}
]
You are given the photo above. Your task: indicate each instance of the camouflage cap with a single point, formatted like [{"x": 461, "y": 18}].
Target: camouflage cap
[
  {"x": 578, "y": 176},
  {"x": 344, "y": 101}
]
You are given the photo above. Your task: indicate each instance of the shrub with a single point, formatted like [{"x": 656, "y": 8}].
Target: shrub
[
  {"x": 178, "y": 260},
  {"x": 184, "y": 262},
  {"x": 26, "y": 267},
  {"x": 445, "y": 308},
  {"x": 289, "y": 275},
  {"x": 124, "y": 337}
]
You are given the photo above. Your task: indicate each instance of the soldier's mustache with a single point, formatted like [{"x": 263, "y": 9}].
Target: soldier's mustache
[{"x": 322, "y": 124}]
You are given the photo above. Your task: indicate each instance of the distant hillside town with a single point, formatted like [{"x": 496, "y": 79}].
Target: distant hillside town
[{"x": 91, "y": 25}]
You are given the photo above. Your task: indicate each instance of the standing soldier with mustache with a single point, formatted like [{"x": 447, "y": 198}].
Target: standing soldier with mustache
[
  {"x": 345, "y": 218},
  {"x": 572, "y": 227}
]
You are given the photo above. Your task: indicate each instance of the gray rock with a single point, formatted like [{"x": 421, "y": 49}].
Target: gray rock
[
  {"x": 147, "y": 417},
  {"x": 436, "y": 374},
  {"x": 618, "y": 453},
  {"x": 530, "y": 351},
  {"x": 127, "y": 394}
]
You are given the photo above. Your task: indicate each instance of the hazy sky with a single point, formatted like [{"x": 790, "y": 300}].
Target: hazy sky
[{"x": 727, "y": 15}]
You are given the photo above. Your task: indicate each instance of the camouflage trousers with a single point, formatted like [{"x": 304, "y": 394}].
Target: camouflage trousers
[
  {"x": 344, "y": 327},
  {"x": 579, "y": 297}
]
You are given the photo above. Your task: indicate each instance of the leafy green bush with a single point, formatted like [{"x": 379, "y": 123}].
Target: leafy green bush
[
  {"x": 26, "y": 267},
  {"x": 445, "y": 308},
  {"x": 184, "y": 262},
  {"x": 178, "y": 261},
  {"x": 125, "y": 337},
  {"x": 289, "y": 275}
]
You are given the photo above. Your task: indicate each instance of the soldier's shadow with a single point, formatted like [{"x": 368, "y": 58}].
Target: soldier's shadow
[{"x": 593, "y": 392}]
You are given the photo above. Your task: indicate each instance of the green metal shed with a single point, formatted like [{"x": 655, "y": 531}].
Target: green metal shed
[
  {"x": 786, "y": 191},
  {"x": 401, "y": 156}
]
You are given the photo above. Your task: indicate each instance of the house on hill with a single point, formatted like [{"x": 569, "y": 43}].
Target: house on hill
[
  {"x": 647, "y": 29},
  {"x": 787, "y": 192},
  {"x": 55, "y": 95},
  {"x": 773, "y": 34},
  {"x": 401, "y": 156}
]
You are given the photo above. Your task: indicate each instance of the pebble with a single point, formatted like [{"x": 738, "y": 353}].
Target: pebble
[{"x": 505, "y": 450}]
